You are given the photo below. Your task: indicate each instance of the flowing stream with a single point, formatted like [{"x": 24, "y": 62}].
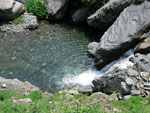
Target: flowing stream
[{"x": 53, "y": 57}]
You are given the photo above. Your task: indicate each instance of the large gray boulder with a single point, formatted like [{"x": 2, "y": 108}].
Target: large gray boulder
[
  {"x": 10, "y": 9},
  {"x": 56, "y": 9},
  {"x": 123, "y": 34},
  {"x": 109, "y": 82},
  {"x": 106, "y": 15}
]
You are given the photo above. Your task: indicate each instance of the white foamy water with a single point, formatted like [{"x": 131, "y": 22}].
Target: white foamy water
[{"x": 88, "y": 76}]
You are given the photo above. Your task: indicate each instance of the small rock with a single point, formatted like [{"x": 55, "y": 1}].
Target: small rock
[
  {"x": 116, "y": 110},
  {"x": 132, "y": 72},
  {"x": 85, "y": 90},
  {"x": 47, "y": 95},
  {"x": 23, "y": 101},
  {"x": 127, "y": 97},
  {"x": 92, "y": 48},
  {"x": 129, "y": 81},
  {"x": 125, "y": 89},
  {"x": 4, "y": 86},
  {"x": 135, "y": 92}
]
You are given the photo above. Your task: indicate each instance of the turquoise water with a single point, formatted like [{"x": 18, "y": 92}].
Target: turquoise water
[{"x": 44, "y": 56}]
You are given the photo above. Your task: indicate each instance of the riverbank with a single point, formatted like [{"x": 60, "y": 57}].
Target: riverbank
[{"x": 67, "y": 102}]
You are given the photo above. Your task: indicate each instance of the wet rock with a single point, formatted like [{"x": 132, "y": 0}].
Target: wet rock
[
  {"x": 132, "y": 72},
  {"x": 109, "y": 82},
  {"x": 106, "y": 15},
  {"x": 30, "y": 21},
  {"x": 87, "y": 90},
  {"x": 125, "y": 89},
  {"x": 123, "y": 34},
  {"x": 135, "y": 92},
  {"x": 129, "y": 82},
  {"x": 92, "y": 48},
  {"x": 142, "y": 62},
  {"x": 56, "y": 9},
  {"x": 80, "y": 15},
  {"x": 10, "y": 9}
]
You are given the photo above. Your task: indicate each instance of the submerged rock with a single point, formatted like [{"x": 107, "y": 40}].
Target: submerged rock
[
  {"x": 106, "y": 15},
  {"x": 80, "y": 15},
  {"x": 56, "y": 9},
  {"x": 10, "y": 9},
  {"x": 123, "y": 34}
]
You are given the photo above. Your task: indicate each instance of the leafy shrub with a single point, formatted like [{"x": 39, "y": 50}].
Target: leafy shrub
[
  {"x": 18, "y": 20},
  {"x": 137, "y": 1},
  {"x": 37, "y": 7}
]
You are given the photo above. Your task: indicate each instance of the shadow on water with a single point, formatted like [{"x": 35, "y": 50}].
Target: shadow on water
[{"x": 45, "y": 55}]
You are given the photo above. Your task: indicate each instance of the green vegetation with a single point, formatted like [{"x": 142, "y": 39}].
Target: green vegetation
[
  {"x": 134, "y": 105},
  {"x": 37, "y": 7},
  {"x": 137, "y": 1},
  {"x": 19, "y": 20},
  {"x": 66, "y": 103}
]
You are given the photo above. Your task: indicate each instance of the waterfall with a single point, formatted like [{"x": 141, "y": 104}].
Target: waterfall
[{"x": 88, "y": 76}]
